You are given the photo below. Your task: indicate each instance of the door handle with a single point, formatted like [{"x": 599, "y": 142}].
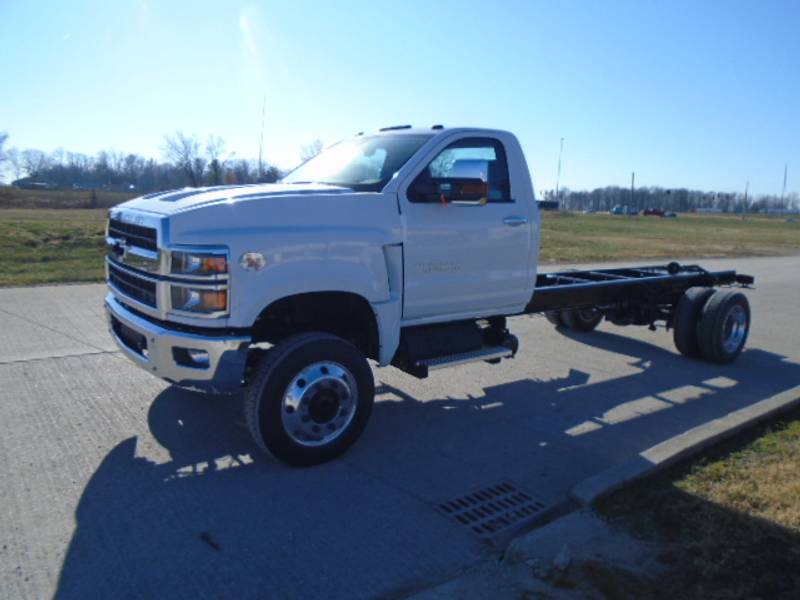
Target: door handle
[{"x": 515, "y": 221}]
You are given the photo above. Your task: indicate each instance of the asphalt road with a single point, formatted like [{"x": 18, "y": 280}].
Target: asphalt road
[{"x": 113, "y": 484}]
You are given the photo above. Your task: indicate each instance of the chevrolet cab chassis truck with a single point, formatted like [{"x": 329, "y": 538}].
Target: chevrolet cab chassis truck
[{"x": 407, "y": 247}]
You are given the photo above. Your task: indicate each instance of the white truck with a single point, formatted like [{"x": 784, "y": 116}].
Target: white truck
[{"x": 407, "y": 247}]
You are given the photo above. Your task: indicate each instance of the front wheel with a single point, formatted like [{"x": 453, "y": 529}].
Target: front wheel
[{"x": 309, "y": 399}]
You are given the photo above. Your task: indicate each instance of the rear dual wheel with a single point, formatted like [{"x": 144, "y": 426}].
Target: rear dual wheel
[
  {"x": 724, "y": 325},
  {"x": 711, "y": 324},
  {"x": 579, "y": 319},
  {"x": 582, "y": 319},
  {"x": 684, "y": 321}
]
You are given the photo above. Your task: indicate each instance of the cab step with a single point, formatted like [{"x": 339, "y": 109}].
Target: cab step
[{"x": 451, "y": 360}]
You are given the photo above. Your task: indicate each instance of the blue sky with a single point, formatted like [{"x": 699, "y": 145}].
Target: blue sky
[{"x": 697, "y": 94}]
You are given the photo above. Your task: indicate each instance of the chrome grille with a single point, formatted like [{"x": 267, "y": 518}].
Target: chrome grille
[
  {"x": 140, "y": 289},
  {"x": 134, "y": 235}
]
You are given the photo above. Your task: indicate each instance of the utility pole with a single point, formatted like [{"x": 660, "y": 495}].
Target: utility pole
[
  {"x": 744, "y": 208},
  {"x": 633, "y": 178},
  {"x": 785, "y": 173},
  {"x": 261, "y": 142},
  {"x": 558, "y": 174}
]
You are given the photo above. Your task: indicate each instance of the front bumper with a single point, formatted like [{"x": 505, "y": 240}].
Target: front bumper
[{"x": 166, "y": 353}]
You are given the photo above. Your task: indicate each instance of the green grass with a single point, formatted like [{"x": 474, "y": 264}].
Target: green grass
[
  {"x": 571, "y": 237},
  {"x": 51, "y": 246},
  {"x": 729, "y": 520},
  {"x": 45, "y": 245}
]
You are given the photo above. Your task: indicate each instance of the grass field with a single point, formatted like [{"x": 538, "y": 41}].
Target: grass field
[
  {"x": 43, "y": 245},
  {"x": 729, "y": 520},
  {"x": 571, "y": 237},
  {"x": 11, "y": 197},
  {"x": 51, "y": 246}
]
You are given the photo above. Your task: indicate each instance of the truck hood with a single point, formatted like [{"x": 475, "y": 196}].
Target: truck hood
[{"x": 176, "y": 201}]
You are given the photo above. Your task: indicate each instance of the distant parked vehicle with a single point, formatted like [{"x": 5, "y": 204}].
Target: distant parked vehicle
[
  {"x": 624, "y": 209},
  {"x": 670, "y": 214},
  {"x": 29, "y": 184},
  {"x": 653, "y": 212}
]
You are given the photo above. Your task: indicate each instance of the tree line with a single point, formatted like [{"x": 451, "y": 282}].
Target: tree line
[
  {"x": 672, "y": 199},
  {"x": 186, "y": 161}
]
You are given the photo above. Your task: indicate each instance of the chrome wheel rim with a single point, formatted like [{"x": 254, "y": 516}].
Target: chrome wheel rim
[
  {"x": 319, "y": 404},
  {"x": 734, "y": 328},
  {"x": 587, "y": 315}
]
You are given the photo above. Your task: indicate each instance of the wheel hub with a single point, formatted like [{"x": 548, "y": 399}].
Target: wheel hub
[
  {"x": 323, "y": 406},
  {"x": 319, "y": 403},
  {"x": 734, "y": 328}
]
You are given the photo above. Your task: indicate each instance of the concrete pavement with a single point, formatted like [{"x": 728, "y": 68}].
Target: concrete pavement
[{"x": 114, "y": 483}]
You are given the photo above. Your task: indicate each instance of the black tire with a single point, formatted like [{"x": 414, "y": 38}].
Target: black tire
[
  {"x": 265, "y": 410},
  {"x": 554, "y": 316},
  {"x": 724, "y": 325},
  {"x": 582, "y": 319},
  {"x": 685, "y": 319}
]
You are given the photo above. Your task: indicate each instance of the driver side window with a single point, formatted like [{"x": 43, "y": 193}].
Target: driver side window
[{"x": 469, "y": 158}]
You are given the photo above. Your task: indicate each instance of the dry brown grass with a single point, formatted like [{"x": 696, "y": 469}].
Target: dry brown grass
[
  {"x": 762, "y": 480},
  {"x": 730, "y": 519},
  {"x": 11, "y": 197}
]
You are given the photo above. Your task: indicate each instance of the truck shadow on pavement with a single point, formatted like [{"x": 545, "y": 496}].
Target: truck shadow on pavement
[{"x": 220, "y": 520}]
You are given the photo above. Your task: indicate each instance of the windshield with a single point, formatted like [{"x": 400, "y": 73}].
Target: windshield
[{"x": 363, "y": 163}]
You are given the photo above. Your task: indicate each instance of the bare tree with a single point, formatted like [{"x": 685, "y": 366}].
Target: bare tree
[
  {"x": 15, "y": 160},
  {"x": 3, "y": 153},
  {"x": 183, "y": 151},
  {"x": 3, "y": 138},
  {"x": 311, "y": 150},
  {"x": 34, "y": 162},
  {"x": 133, "y": 168},
  {"x": 215, "y": 148}
]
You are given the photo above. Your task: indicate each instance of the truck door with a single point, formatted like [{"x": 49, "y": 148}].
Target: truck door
[{"x": 467, "y": 239}]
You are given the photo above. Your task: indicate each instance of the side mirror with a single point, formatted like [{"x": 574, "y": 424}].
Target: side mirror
[
  {"x": 463, "y": 180},
  {"x": 463, "y": 189}
]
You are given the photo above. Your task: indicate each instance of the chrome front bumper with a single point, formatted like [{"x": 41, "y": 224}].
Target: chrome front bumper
[{"x": 172, "y": 355}]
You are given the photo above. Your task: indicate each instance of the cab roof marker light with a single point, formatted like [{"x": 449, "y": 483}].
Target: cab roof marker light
[{"x": 394, "y": 127}]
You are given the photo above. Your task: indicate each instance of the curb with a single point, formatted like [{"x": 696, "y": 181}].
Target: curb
[{"x": 690, "y": 442}]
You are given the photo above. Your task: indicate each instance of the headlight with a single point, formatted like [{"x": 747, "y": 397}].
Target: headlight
[
  {"x": 199, "y": 300},
  {"x": 198, "y": 263}
]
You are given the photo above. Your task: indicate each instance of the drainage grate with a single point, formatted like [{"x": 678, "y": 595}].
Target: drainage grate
[{"x": 490, "y": 510}]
